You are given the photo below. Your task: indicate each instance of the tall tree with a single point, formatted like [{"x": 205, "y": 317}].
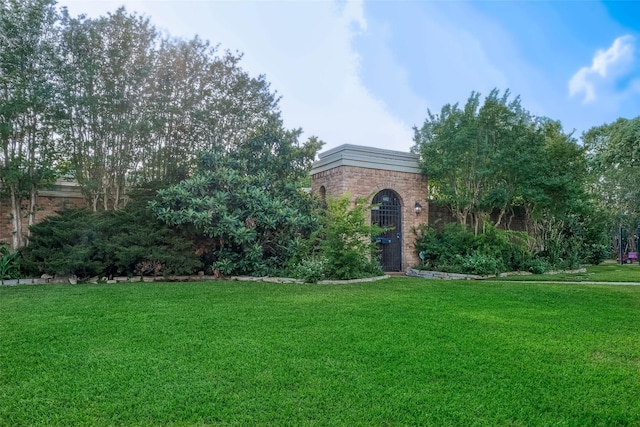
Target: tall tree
[
  {"x": 202, "y": 101},
  {"x": 28, "y": 98},
  {"x": 109, "y": 63},
  {"x": 613, "y": 152},
  {"x": 474, "y": 156}
]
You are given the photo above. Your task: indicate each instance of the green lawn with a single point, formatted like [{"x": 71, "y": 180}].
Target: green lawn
[
  {"x": 608, "y": 272},
  {"x": 395, "y": 352}
]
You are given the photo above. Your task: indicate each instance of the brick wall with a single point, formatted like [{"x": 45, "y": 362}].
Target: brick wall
[
  {"x": 62, "y": 195},
  {"x": 365, "y": 182}
]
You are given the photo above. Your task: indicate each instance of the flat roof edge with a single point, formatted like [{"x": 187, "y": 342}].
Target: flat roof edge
[{"x": 367, "y": 157}]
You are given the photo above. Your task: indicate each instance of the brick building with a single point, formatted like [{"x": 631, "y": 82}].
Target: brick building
[{"x": 389, "y": 178}]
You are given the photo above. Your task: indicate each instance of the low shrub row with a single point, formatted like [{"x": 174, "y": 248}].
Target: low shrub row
[
  {"x": 128, "y": 242},
  {"x": 456, "y": 249},
  {"x": 134, "y": 242}
]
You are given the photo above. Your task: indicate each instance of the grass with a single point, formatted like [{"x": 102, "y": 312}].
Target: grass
[
  {"x": 608, "y": 272},
  {"x": 395, "y": 352}
]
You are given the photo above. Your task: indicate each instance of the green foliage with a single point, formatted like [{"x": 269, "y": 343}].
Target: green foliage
[
  {"x": 493, "y": 157},
  {"x": 29, "y": 113},
  {"x": 9, "y": 263},
  {"x": 311, "y": 270},
  {"x": 456, "y": 249},
  {"x": 482, "y": 264},
  {"x": 614, "y": 172},
  {"x": 539, "y": 265},
  {"x": 346, "y": 239},
  {"x": 122, "y": 243},
  {"x": 480, "y": 157},
  {"x": 142, "y": 106},
  {"x": 579, "y": 236},
  {"x": 246, "y": 201}
]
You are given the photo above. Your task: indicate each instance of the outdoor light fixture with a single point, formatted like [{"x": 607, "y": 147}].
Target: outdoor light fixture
[{"x": 418, "y": 208}]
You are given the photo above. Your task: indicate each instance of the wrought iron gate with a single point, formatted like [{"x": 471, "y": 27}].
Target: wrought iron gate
[{"x": 388, "y": 214}]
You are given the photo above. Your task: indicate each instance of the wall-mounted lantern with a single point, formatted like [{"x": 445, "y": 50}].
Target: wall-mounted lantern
[{"x": 418, "y": 208}]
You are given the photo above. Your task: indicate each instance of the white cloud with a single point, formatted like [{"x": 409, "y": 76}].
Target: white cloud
[{"x": 607, "y": 64}]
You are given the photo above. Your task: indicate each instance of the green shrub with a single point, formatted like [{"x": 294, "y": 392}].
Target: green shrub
[
  {"x": 443, "y": 250},
  {"x": 482, "y": 265},
  {"x": 347, "y": 240},
  {"x": 246, "y": 201},
  {"x": 9, "y": 263},
  {"x": 342, "y": 248},
  {"x": 539, "y": 265},
  {"x": 311, "y": 270},
  {"x": 122, "y": 243},
  {"x": 457, "y": 250}
]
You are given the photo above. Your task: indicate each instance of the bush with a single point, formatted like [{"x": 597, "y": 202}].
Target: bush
[
  {"x": 457, "y": 250},
  {"x": 347, "y": 241},
  {"x": 311, "y": 270},
  {"x": 482, "y": 265},
  {"x": 539, "y": 266},
  {"x": 9, "y": 263},
  {"x": 342, "y": 248},
  {"x": 246, "y": 201},
  {"x": 122, "y": 243},
  {"x": 444, "y": 250}
]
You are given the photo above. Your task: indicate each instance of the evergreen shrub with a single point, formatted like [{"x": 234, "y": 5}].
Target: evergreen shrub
[{"x": 127, "y": 242}]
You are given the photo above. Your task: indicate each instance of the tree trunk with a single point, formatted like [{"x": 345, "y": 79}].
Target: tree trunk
[
  {"x": 16, "y": 221},
  {"x": 33, "y": 200}
]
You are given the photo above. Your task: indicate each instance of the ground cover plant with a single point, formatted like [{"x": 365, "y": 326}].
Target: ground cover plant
[
  {"x": 608, "y": 272},
  {"x": 396, "y": 352}
]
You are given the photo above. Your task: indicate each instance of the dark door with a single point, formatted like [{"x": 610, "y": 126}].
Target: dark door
[{"x": 388, "y": 214}]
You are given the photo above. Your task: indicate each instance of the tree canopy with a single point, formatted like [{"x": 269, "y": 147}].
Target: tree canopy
[
  {"x": 613, "y": 152},
  {"x": 490, "y": 158},
  {"x": 493, "y": 156},
  {"x": 113, "y": 103}
]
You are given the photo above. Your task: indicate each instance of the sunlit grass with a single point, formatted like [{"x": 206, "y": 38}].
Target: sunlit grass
[{"x": 396, "y": 352}]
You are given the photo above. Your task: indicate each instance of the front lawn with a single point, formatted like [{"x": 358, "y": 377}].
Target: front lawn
[{"x": 400, "y": 351}]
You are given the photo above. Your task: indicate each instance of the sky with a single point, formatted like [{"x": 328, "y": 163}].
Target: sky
[{"x": 367, "y": 72}]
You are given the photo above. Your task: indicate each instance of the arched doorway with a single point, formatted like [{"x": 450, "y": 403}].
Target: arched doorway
[{"x": 388, "y": 214}]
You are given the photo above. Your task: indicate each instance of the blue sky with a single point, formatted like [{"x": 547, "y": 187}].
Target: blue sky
[{"x": 365, "y": 72}]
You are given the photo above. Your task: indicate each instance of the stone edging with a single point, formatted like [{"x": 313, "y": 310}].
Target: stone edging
[
  {"x": 289, "y": 280},
  {"x": 46, "y": 279},
  {"x": 412, "y": 272},
  {"x": 199, "y": 278}
]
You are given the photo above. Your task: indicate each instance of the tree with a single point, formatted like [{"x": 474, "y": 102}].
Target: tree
[
  {"x": 246, "y": 200},
  {"x": 200, "y": 101},
  {"x": 475, "y": 156},
  {"x": 108, "y": 63},
  {"x": 496, "y": 157},
  {"x": 613, "y": 152},
  {"x": 140, "y": 108},
  {"x": 28, "y": 104}
]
